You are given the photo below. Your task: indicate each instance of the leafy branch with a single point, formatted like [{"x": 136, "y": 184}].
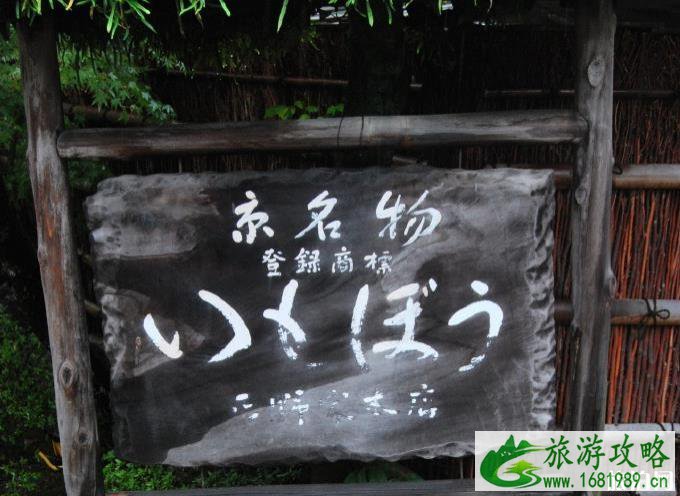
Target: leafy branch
[{"x": 118, "y": 12}]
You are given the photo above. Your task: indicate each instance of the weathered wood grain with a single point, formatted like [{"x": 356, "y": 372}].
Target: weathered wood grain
[
  {"x": 159, "y": 240},
  {"x": 593, "y": 281},
  {"x": 405, "y": 131},
  {"x": 58, "y": 264}
]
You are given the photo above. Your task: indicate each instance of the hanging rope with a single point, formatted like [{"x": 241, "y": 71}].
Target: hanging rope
[{"x": 653, "y": 313}]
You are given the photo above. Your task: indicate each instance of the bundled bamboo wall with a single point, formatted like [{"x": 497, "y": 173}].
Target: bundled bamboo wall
[{"x": 644, "y": 361}]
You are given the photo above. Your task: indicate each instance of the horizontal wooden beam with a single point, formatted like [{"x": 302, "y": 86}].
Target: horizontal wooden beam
[
  {"x": 453, "y": 487},
  {"x": 652, "y": 176},
  {"x": 568, "y": 93},
  {"x": 404, "y": 131},
  {"x": 644, "y": 177},
  {"x": 634, "y": 312},
  {"x": 630, "y": 312},
  {"x": 304, "y": 82}
]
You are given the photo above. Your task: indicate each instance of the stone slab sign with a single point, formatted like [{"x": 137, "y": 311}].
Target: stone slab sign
[{"x": 319, "y": 314}]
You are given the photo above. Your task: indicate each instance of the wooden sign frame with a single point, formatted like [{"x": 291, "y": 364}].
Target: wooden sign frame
[{"x": 589, "y": 128}]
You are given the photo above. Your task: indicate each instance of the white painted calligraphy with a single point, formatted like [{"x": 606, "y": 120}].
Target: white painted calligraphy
[
  {"x": 288, "y": 327},
  {"x": 326, "y": 205},
  {"x": 273, "y": 261},
  {"x": 380, "y": 264},
  {"x": 374, "y": 406},
  {"x": 343, "y": 261},
  {"x": 171, "y": 349},
  {"x": 241, "y": 339},
  {"x": 406, "y": 318},
  {"x": 489, "y": 307},
  {"x": 422, "y": 397},
  {"x": 357, "y": 321},
  {"x": 253, "y": 220},
  {"x": 242, "y": 402},
  {"x": 425, "y": 220},
  {"x": 299, "y": 407},
  {"x": 308, "y": 261}
]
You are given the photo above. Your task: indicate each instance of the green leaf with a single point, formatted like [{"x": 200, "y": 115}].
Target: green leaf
[
  {"x": 109, "y": 23},
  {"x": 282, "y": 14},
  {"x": 369, "y": 13},
  {"x": 335, "y": 110},
  {"x": 389, "y": 7},
  {"x": 223, "y": 4},
  {"x": 283, "y": 112},
  {"x": 271, "y": 112},
  {"x": 138, "y": 7}
]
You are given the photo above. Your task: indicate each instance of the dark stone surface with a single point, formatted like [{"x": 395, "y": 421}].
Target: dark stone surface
[{"x": 159, "y": 240}]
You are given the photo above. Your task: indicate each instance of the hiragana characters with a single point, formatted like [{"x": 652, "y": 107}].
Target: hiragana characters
[
  {"x": 288, "y": 327},
  {"x": 357, "y": 321},
  {"x": 406, "y": 318},
  {"x": 241, "y": 340},
  {"x": 492, "y": 309}
]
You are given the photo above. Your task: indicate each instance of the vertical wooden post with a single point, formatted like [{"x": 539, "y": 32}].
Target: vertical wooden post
[
  {"x": 593, "y": 282},
  {"x": 58, "y": 264}
]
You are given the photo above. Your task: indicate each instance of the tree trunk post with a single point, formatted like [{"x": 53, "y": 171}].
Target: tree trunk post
[
  {"x": 593, "y": 283},
  {"x": 57, "y": 257}
]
